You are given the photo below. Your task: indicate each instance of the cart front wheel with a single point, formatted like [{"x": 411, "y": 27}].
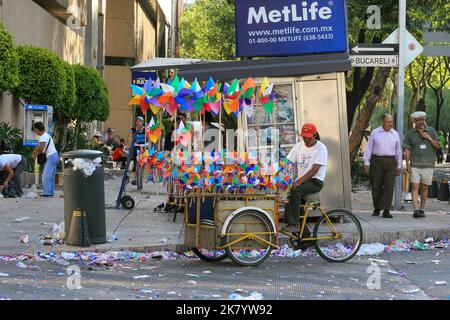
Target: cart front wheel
[
  {"x": 339, "y": 240},
  {"x": 249, "y": 234},
  {"x": 210, "y": 255},
  {"x": 127, "y": 202}
]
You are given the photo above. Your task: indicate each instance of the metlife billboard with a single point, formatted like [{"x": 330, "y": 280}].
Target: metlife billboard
[{"x": 290, "y": 27}]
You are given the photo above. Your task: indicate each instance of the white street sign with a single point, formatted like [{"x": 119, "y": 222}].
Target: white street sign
[
  {"x": 358, "y": 49},
  {"x": 374, "y": 61},
  {"x": 412, "y": 47}
]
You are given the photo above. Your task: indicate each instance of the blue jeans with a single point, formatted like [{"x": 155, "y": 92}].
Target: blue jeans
[{"x": 48, "y": 176}]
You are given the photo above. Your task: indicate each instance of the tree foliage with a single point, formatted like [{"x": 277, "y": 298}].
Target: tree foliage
[
  {"x": 92, "y": 102},
  {"x": 68, "y": 98},
  {"x": 208, "y": 30},
  {"x": 42, "y": 76},
  {"x": 360, "y": 84},
  {"x": 9, "y": 62}
]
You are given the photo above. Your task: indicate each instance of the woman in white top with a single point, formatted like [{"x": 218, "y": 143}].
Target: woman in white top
[{"x": 46, "y": 146}]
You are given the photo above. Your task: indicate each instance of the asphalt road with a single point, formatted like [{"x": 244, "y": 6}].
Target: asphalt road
[{"x": 277, "y": 278}]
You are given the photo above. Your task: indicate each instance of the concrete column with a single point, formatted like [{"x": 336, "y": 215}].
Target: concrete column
[{"x": 91, "y": 34}]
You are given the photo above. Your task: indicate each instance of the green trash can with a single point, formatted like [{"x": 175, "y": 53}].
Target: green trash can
[{"x": 85, "y": 193}]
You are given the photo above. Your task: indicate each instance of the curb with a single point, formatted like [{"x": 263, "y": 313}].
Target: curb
[{"x": 372, "y": 237}]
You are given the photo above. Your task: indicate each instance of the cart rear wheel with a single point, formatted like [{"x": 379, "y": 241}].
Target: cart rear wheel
[
  {"x": 210, "y": 255},
  {"x": 127, "y": 202},
  {"x": 248, "y": 229}
]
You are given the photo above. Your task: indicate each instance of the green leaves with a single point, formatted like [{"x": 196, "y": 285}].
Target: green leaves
[
  {"x": 92, "y": 101},
  {"x": 66, "y": 105},
  {"x": 9, "y": 62},
  {"x": 207, "y": 30},
  {"x": 42, "y": 77}
]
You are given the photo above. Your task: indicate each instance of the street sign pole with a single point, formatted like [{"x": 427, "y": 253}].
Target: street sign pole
[{"x": 401, "y": 92}]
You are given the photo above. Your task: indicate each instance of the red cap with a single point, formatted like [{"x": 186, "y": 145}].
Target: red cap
[{"x": 308, "y": 130}]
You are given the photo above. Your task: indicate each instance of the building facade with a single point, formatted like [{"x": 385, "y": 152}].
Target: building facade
[
  {"x": 110, "y": 35},
  {"x": 136, "y": 31}
]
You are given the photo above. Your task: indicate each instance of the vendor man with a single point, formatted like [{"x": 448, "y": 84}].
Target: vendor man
[
  {"x": 310, "y": 156},
  {"x": 11, "y": 168}
]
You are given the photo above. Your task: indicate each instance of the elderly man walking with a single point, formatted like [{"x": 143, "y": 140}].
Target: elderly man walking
[
  {"x": 383, "y": 162},
  {"x": 420, "y": 146}
]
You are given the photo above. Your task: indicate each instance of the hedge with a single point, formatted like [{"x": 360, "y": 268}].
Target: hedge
[
  {"x": 42, "y": 76},
  {"x": 9, "y": 62},
  {"x": 92, "y": 102}
]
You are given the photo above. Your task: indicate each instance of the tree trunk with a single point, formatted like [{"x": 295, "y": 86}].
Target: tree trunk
[
  {"x": 439, "y": 104},
  {"x": 361, "y": 84},
  {"x": 413, "y": 107},
  {"x": 77, "y": 134},
  {"x": 360, "y": 126},
  {"x": 415, "y": 95},
  {"x": 61, "y": 123}
]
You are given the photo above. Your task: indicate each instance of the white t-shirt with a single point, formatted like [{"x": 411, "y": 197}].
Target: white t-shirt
[
  {"x": 51, "y": 148},
  {"x": 305, "y": 157},
  {"x": 12, "y": 160}
]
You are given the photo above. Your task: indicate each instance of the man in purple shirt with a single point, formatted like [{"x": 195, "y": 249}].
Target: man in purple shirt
[{"x": 383, "y": 162}]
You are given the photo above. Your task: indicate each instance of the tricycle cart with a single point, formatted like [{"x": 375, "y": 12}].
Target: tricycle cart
[{"x": 244, "y": 227}]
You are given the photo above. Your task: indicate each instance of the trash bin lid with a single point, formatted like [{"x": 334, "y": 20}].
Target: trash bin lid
[{"x": 82, "y": 153}]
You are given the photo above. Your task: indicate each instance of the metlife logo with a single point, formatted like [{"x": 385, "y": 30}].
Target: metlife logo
[
  {"x": 308, "y": 12},
  {"x": 290, "y": 27}
]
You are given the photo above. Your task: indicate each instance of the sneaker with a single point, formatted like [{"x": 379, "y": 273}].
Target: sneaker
[
  {"x": 416, "y": 213},
  {"x": 376, "y": 212},
  {"x": 290, "y": 228},
  {"x": 387, "y": 214},
  {"x": 134, "y": 182},
  {"x": 421, "y": 213}
]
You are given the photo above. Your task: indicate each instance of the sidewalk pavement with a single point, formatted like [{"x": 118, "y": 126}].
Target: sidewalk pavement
[{"x": 142, "y": 229}]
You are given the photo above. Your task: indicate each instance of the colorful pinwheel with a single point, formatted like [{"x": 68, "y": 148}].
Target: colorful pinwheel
[
  {"x": 213, "y": 97},
  {"x": 266, "y": 95},
  {"x": 153, "y": 131},
  {"x": 231, "y": 99}
]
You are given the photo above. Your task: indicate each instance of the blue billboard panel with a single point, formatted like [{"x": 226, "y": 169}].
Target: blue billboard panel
[
  {"x": 139, "y": 78},
  {"x": 290, "y": 27}
]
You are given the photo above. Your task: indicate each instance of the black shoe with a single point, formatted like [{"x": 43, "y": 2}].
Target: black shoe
[
  {"x": 416, "y": 213},
  {"x": 421, "y": 213},
  {"x": 134, "y": 182},
  {"x": 159, "y": 208},
  {"x": 387, "y": 214},
  {"x": 376, "y": 212}
]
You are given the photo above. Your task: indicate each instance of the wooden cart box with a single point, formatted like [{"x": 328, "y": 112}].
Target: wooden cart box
[{"x": 209, "y": 235}]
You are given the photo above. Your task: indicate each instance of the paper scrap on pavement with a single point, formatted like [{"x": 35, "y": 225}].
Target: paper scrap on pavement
[
  {"x": 141, "y": 277},
  {"x": 409, "y": 290},
  {"x": 18, "y": 220}
]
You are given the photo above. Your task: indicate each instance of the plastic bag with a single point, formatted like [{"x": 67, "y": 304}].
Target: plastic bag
[
  {"x": 253, "y": 296},
  {"x": 86, "y": 166},
  {"x": 371, "y": 249},
  {"x": 55, "y": 236}
]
